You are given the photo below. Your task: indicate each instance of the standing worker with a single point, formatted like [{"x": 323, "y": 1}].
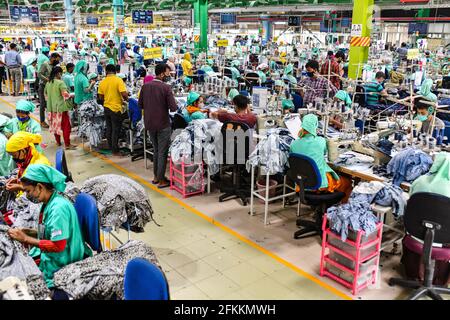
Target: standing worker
[
  {"x": 14, "y": 63},
  {"x": 44, "y": 75},
  {"x": 111, "y": 94},
  {"x": 157, "y": 100}
]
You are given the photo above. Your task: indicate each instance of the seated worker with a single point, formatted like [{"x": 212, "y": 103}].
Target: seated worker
[
  {"x": 279, "y": 86},
  {"x": 208, "y": 66},
  {"x": 288, "y": 75},
  {"x": 243, "y": 113},
  {"x": 311, "y": 145},
  {"x": 425, "y": 115},
  {"x": 316, "y": 86},
  {"x": 425, "y": 90},
  {"x": 235, "y": 73},
  {"x": 287, "y": 105},
  {"x": 31, "y": 75},
  {"x": 58, "y": 240},
  {"x": 263, "y": 71},
  {"x": 22, "y": 147},
  {"x": 186, "y": 64},
  {"x": 341, "y": 95},
  {"x": 374, "y": 89},
  {"x": 22, "y": 121},
  {"x": 6, "y": 161},
  {"x": 68, "y": 77},
  {"x": 232, "y": 92},
  {"x": 193, "y": 110},
  {"x": 437, "y": 180}
]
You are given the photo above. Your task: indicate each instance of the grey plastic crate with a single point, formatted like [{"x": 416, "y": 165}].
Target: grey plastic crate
[
  {"x": 352, "y": 264},
  {"x": 347, "y": 276},
  {"x": 348, "y": 248}
]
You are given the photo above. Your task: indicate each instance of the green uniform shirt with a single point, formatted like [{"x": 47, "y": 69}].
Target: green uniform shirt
[
  {"x": 7, "y": 164},
  {"x": 82, "y": 83},
  {"x": 61, "y": 223},
  {"x": 262, "y": 76},
  {"x": 112, "y": 54},
  {"x": 235, "y": 74},
  {"x": 197, "y": 115},
  {"x": 373, "y": 90},
  {"x": 68, "y": 80},
  {"x": 31, "y": 126},
  {"x": 55, "y": 101},
  {"x": 30, "y": 72},
  {"x": 315, "y": 148},
  {"x": 41, "y": 58}
]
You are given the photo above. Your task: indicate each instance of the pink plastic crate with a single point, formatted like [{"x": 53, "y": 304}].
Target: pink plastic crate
[
  {"x": 354, "y": 262},
  {"x": 182, "y": 178}
]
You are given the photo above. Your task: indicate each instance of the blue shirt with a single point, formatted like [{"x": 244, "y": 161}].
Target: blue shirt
[{"x": 13, "y": 59}]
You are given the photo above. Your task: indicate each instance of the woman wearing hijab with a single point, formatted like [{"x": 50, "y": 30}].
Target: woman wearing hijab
[
  {"x": 58, "y": 240},
  {"x": 186, "y": 64},
  {"x": 22, "y": 121},
  {"x": 315, "y": 147},
  {"x": 263, "y": 71},
  {"x": 425, "y": 90},
  {"x": 343, "y": 96},
  {"x": 288, "y": 74},
  {"x": 438, "y": 178},
  {"x": 235, "y": 73},
  {"x": 58, "y": 108},
  {"x": 193, "y": 110},
  {"x": 22, "y": 146},
  {"x": 83, "y": 87}
]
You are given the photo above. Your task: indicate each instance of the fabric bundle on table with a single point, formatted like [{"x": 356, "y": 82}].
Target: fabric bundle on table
[
  {"x": 352, "y": 158},
  {"x": 200, "y": 140},
  {"x": 101, "y": 276},
  {"x": 119, "y": 200},
  {"x": 272, "y": 151},
  {"x": 15, "y": 262},
  {"x": 92, "y": 122},
  {"x": 382, "y": 194},
  {"x": 408, "y": 165}
]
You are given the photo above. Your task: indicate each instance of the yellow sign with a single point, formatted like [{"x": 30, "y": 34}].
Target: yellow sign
[
  {"x": 412, "y": 54},
  {"x": 222, "y": 43},
  {"x": 152, "y": 53},
  {"x": 196, "y": 38}
]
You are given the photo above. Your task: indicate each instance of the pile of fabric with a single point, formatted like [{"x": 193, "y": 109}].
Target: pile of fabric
[
  {"x": 352, "y": 158},
  {"x": 120, "y": 200},
  {"x": 15, "y": 262},
  {"x": 100, "y": 277},
  {"x": 200, "y": 140},
  {"x": 25, "y": 212},
  {"x": 216, "y": 102},
  {"x": 408, "y": 165},
  {"x": 355, "y": 215},
  {"x": 272, "y": 151},
  {"x": 92, "y": 122},
  {"x": 382, "y": 194}
]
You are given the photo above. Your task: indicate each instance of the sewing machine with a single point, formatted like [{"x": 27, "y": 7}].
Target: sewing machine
[{"x": 336, "y": 146}]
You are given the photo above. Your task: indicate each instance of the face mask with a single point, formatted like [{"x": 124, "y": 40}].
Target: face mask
[
  {"x": 32, "y": 199},
  {"x": 24, "y": 119},
  {"x": 310, "y": 74},
  {"x": 422, "y": 118},
  {"x": 17, "y": 160}
]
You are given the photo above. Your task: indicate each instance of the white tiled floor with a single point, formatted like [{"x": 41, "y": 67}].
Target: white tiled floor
[{"x": 202, "y": 261}]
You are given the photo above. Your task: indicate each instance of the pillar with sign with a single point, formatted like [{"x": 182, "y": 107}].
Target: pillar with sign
[
  {"x": 70, "y": 18},
  {"x": 267, "y": 29},
  {"x": 201, "y": 25},
  {"x": 118, "y": 11},
  {"x": 360, "y": 37}
]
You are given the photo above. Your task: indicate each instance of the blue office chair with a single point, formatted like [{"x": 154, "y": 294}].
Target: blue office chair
[
  {"x": 304, "y": 172},
  {"x": 61, "y": 164},
  {"x": 134, "y": 111},
  {"x": 87, "y": 212},
  {"x": 244, "y": 93},
  {"x": 447, "y": 130},
  {"x": 201, "y": 76},
  {"x": 144, "y": 281}
]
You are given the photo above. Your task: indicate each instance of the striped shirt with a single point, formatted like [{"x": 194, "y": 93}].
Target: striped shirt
[
  {"x": 316, "y": 88},
  {"x": 373, "y": 90}
]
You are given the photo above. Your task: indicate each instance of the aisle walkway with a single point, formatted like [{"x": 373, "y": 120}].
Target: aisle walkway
[{"x": 201, "y": 260}]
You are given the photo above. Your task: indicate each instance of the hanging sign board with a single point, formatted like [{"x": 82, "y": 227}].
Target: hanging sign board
[
  {"x": 222, "y": 43},
  {"x": 152, "y": 53},
  {"x": 356, "y": 30},
  {"x": 142, "y": 16},
  {"x": 24, "y": 14}
]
